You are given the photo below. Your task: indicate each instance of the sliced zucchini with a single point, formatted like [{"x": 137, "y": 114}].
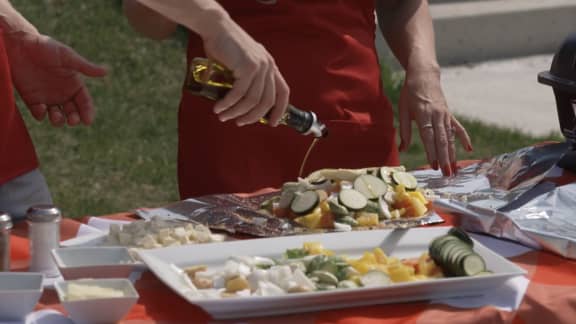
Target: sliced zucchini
[
  {"x": 337, "y": 209},
  {"x": 372, "y": 207},
  {"x": 348, "y": 220},
  {"x": 304, "y": 202},
  {"x": 384, "y": 174},
  {"x": 346, "y": 284},
  {"x": 370, "y": 186},
  {"x": 472, "y": 265},
  {"x": 461, "y": 234},
  {"x": 384, "y": 209},
  {"x": 325, "y": 277},
  {"x": 352, "y": 199},
  {"x": 454, "y": 253},
  {"x": 406, "y": 179}
]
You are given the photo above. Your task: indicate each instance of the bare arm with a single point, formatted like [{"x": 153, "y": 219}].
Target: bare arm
[
  {"x": 407, "y": 27},
  {"x": 11, "y": 21},
  {"x": 259, "y": 89},
  {"x": 46, "y": 73},
  {"x": 147, "y": 21}
]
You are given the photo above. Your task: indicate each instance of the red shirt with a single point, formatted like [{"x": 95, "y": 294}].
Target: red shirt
[
  {"x": 17, "y": 155},
  {"x": 325, "y": 50}
]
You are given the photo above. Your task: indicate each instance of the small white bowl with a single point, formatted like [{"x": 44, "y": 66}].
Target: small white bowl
[
  {"x": 94, "y": 262},
  {"x": 19, "y": 293},
  {"x": 98, "y": 309}
]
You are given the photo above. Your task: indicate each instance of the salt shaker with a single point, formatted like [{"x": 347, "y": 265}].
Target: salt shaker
[
  {"x": 5, "y": 227},
  {"x": 44, "y": 235}
]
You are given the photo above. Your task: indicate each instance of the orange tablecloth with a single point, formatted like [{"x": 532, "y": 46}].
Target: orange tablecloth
[{"x": 550, "y": 298}]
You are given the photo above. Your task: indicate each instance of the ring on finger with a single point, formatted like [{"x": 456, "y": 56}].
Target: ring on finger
[
  {"x": 428, "y": 125},
  {"x": 57, "y": 107}
]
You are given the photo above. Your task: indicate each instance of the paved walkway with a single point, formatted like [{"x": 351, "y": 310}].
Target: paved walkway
[{"x": 504, "y": 92}]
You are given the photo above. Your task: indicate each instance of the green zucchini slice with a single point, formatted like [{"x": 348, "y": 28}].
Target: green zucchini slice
[
  {"x": 406, "y": 179},
  {"x": 472, "y": 265},
  {"x": 337, "y": 209},
  {"x": 459, "y": 233},
  {"x": 352, "y": 199},
  {"x": 370, "y": 186},
  {"x": 385, "y": 174},
  {"x": 304, "y": 202}
]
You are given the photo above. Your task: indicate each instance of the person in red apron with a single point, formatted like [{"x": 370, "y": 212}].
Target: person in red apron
[
  {"x": 45, "y": 74},
  {"x": 326, "y": 52}
]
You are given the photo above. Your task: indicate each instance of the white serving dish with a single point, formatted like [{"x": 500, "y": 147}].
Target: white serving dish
[
  {"x": 399, "y": 243},
  {"x": 19, "y": 293},
  {"x": 95, "y": 262},
  {"x": 98, "y": 310}
]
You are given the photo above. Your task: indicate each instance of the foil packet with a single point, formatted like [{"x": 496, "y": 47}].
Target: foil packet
[
  {"x": 521, "y": 196},
  {"x": 238, "y": 214}
]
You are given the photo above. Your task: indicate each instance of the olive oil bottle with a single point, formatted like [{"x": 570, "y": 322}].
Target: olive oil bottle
[{"x": 211, "y": 80}]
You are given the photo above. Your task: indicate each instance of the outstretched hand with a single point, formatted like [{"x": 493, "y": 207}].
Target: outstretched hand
[
  {"x": 422, "y": 100},
  {"x": 46, "y": 74}
]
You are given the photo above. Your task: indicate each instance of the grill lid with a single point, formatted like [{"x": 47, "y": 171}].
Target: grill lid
[{"x": 562, "y": 74}]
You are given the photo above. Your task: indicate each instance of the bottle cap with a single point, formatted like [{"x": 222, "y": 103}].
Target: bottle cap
[
  {"x": 43, "y": 214},
  {"x": 5, "y": 221}
]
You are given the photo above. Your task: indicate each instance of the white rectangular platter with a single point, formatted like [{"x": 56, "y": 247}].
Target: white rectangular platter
[{"x": 406, "y": 243}]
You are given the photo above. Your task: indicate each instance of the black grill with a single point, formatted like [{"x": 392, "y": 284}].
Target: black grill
[{"x": 562, "y": 78}]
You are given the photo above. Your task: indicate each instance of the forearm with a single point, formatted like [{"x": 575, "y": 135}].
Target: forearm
[
  {"x": 147, "y": 21},
  {"x": 407, "y": 27},
  {"x": 12, "y": 22},
  {"x": 205, "y": 17}
]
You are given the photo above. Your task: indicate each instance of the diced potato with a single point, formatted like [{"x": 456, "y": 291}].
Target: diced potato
[
  {"x": 125, "y": 238},
  {"x": 166, "y": 240},
  {"x": 147, "y": 242},
  {"x": 163, "y": 233},
  {"x": 395, "y": 214},
  {"x": 179, "y": 232}
]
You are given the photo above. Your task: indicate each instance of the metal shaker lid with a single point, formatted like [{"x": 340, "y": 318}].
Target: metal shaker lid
[
  {"x": 5, "y": 221},
  {"x": 43, "y": 214}
]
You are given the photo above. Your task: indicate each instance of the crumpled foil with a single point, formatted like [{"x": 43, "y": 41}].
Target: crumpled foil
[
  {"x": 239, "y": 215},
  {"x": 515, "y": 196}
]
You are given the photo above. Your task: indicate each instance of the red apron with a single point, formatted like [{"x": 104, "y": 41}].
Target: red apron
[
  {"x": 17, "y": 155},
  {"x": 325, "y": 50}
]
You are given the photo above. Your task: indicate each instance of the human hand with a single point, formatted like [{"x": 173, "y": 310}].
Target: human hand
[
  {"x": 259, "y": 88},
  {"x": 422, "y": 100},
  {"x": 46, "y": 74}
]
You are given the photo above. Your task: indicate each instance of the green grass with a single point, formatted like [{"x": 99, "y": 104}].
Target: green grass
[{"x": 127, "y": 159}]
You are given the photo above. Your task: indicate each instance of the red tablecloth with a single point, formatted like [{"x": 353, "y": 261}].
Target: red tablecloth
[{"x": 550, "y": 298}]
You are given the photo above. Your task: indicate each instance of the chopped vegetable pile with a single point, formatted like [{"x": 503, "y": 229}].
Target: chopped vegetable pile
[
  {"x": 314, "y": 268},
  {"x": 344, "y": 198},
  {"x": 157, "y": 233}
]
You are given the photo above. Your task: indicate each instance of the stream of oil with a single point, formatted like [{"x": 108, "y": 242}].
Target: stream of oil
[{"x": 303, "y": 164}]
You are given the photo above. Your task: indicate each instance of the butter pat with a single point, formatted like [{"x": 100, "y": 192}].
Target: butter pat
[{"x": 77, "y": 291}]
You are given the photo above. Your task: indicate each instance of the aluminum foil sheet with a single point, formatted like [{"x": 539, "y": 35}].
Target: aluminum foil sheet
[
  {"x": 516, "y": 196},
  {"x": 239, "y": 215}
]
